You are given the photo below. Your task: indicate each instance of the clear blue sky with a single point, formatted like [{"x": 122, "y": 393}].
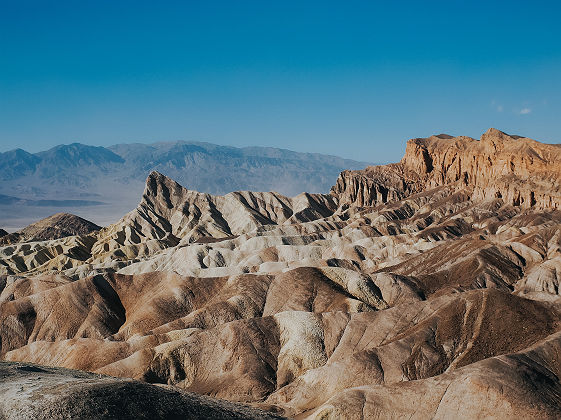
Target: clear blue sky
[{"x": 351, "y": 78}]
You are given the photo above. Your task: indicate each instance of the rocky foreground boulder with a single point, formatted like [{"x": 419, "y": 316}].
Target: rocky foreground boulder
[
  {"x": 44, "y": 393},
  {"x": 429, "y": 288}
]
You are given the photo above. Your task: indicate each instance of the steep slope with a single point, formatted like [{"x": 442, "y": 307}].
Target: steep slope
[
  {"x": 520, "y": 170},
  {"x": 169, "y": 214}
]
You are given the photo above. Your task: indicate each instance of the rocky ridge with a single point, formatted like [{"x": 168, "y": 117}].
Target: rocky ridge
[
  {"x": 57, "y": 226},
  {"x": 429, "y": 288}
]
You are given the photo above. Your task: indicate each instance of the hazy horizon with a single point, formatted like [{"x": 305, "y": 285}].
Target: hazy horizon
[
  {"x": 351, "y": 80},
  {"x": 172, "y": 142},
  {"x": 102, "y": 184}
]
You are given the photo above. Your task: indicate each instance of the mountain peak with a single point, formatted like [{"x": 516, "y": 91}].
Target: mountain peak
[
  {"x": 156, "y": 179},
  {"x": 495, "y": 132},
  {"x": 497, "y": 138},
  {"x": 77, "y": 154},
  {"x": 160, "y": 190},
  {"x": 16, "y": 163}
]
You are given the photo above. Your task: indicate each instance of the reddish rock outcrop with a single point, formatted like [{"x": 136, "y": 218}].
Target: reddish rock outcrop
[{"x": 518, "y": 170}]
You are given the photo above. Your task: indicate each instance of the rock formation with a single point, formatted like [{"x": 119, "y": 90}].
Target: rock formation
[
  {"x": 429, "y": 288},
  {"x": 519, "y": 170}
]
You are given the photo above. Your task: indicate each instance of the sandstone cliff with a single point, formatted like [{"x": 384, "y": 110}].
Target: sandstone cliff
[{"x": 518, "y": 170}]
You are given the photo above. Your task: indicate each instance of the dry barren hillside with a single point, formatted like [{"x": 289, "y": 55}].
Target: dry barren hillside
[
  {"x": 58, "y": 225},
  {"x": 429, "y": 288}
]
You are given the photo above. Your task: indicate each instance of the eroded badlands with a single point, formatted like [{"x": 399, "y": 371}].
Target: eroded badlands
[{"x": 428, "y": 288}]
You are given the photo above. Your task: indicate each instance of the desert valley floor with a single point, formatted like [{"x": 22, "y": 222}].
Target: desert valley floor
[{"x": 429, "y": 288}]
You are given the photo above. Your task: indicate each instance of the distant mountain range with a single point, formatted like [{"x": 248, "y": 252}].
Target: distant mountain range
[{"x": 100, "y": 183}]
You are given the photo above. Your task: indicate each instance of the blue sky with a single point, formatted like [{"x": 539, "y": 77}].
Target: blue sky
[{"x": 353, "y": 78}]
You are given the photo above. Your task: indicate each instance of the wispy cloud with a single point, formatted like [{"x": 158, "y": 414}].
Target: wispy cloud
[
  {"x": 498, "y": 107},
  {"x": 525, "y": 111}
]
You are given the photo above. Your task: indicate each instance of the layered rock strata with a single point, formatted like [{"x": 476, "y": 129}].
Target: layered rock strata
[{"x": 519, "y": 170}]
